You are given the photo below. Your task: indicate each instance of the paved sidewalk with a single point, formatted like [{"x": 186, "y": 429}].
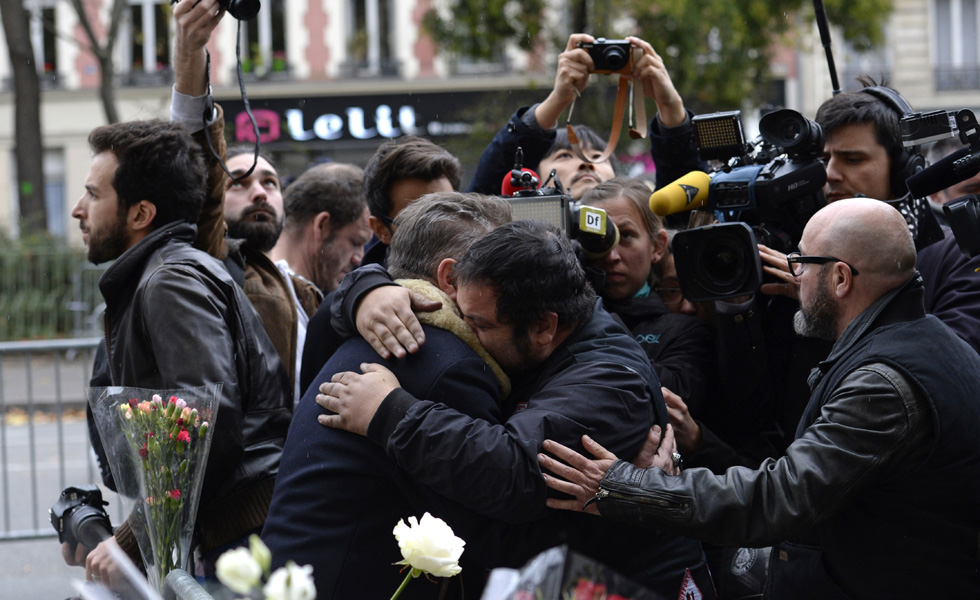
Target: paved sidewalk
[{"x": 34, "y": 570}]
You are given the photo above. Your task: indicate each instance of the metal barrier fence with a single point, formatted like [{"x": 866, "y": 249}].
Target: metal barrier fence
[
  {"x": 44, "y": 443},
  {"x": 48, "y": 293}
]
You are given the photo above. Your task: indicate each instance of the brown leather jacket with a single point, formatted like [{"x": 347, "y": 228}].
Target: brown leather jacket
[{"x": 264, "y": 284}]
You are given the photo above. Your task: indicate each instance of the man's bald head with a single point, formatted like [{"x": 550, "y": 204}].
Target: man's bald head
[{"x": 868, "y": 234}]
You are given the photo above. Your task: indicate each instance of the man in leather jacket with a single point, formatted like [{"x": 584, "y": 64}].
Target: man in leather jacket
[
  {"x": 284, "y": 301},
  {"x": 877, "y": 496},
  {"x": 176, "y": 319}
]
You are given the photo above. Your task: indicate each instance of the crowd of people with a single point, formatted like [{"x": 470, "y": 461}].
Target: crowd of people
[{"x": 468, "y": 365}]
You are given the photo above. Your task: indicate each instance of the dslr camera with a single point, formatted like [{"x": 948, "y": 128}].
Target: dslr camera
[
  {"x": 610, "y": 56},
  {"x": 79, "y": 516},
  {"x": 765, "y": 192}
]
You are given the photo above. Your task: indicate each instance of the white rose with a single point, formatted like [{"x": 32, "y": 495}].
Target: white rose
[
  {"x": 429, "y": 545},
  {"x": 260, "y": 552},
  {"x": 291, "y": 582},
  {"x": 238, "y": 571}
]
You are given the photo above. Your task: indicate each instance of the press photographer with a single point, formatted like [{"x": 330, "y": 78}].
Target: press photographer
[{"x": 546, "y": 145}]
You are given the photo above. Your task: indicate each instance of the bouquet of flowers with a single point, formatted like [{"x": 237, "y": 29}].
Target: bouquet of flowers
[{"x": 157, "y": 444}]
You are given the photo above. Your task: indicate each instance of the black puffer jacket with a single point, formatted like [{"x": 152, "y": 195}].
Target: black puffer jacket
[{"x": 176, "y": 319}]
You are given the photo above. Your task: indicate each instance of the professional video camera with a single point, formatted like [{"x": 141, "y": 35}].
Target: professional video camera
[
  {"x": 595, "y": 233},
  {"x": 962, "y": 214},
  {"x": 765, "y": 193},
  {"x": 79, "y": 516}
]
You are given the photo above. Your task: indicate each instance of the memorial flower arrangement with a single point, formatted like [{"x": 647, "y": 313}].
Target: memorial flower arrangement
[
  {"x": 427, "y": 546},
  {"x": 158, "y": 444},
  {"x": 243, "y": 570}
]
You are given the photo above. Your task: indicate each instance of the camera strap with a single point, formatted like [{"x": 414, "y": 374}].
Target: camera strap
[
  {"x": 637, "y": 119},
  {"x": 209, "y": 109}
]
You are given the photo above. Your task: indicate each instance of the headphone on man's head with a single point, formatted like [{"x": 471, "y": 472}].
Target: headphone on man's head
[{"x": 910, "y": 160}]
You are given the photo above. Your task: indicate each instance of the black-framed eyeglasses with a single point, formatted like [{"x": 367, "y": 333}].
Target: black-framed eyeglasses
[
  {"x": 797, "y": 260},
  {"x": 390, "y": 222}
]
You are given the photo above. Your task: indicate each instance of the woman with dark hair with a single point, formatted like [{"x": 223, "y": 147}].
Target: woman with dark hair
[{"x": 679, "y": 346}]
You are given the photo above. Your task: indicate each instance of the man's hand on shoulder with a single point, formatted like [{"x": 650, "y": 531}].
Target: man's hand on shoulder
[
  {"x": 354, "y": 398},
  {"x": 385, "y": 319}
]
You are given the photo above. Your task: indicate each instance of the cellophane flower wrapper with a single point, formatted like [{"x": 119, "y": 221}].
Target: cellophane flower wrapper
[
  {"x": 157, "y": 444},
  {"x": 562, "y": 574}
]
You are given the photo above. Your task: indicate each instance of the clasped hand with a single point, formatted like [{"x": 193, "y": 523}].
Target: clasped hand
[{"x": 354, "y": 398}]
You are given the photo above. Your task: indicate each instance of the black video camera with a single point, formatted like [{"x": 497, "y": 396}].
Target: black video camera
[
  {"x": 610, "y": 56},
  {"x": 79, "y": 516},
  {"x": 962, "y": 214},
  {"x": 765, "y": 193}
]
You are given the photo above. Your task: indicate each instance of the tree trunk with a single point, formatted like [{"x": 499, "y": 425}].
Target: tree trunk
[
  {"x": 107, "y": 88},
  {"x": 28, "y": 144},
  {"x": 103, "y": 53}
]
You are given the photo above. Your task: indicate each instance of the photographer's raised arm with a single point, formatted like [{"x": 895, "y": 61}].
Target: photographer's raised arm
[
  {"x": 533, "y": 128},
  {"x": 574, "y": 67},
  {"x": 195, "y": 21},
  {"x": 650, "y": 72},
  {"x": 672, "y": 146}
]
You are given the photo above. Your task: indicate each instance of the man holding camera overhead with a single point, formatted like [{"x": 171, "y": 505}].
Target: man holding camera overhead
[{"x": 546, "y": 146}]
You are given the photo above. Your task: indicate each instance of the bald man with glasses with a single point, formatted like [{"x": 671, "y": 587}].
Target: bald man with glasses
[{"x": 877, "y": 496}]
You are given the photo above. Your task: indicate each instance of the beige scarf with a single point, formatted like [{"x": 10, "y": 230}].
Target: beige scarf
[{"x": 448, "y": 318}]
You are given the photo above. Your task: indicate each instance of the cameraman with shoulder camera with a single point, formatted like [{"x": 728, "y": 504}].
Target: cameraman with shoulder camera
[
  {"x": 864, "y": 157},
  {"x": 546, "y": 146}
]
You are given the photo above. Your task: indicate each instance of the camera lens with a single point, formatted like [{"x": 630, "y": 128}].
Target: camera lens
[
  {"x": 792, "y": 131},
  {"x": 615, "y": 57},
  {"x": 89, "y": 526},
  {"x": 723, "y": 263}
]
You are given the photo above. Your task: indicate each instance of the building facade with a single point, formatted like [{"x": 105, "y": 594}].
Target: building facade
[{"x": 330, "y": 79}]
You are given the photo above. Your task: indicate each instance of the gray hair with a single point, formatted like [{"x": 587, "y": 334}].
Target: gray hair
[{"x": 439, "y": 226}]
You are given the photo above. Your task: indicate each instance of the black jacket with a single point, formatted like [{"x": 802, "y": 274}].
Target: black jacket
[
  {"x": 679, "y": 347},
  {"x": 952, "y": 287},
  {"x": 881, "y": 485},
  {"x": 338, "y": 496},
  {"x": 672, "y": 150},
  {"x": 176, "y": 319},
  {"x": 598, "y": 382}
]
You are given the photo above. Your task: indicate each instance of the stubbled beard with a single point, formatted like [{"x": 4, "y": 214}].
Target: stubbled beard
[
  {"x": 108, "y": 244},
  {"x": 261, "y": 235},
  {"x": 819, "y": 318}
]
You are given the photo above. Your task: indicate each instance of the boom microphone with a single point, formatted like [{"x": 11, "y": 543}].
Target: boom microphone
[
  {"x": 958, "y": 166},
  {"x": 687, "y": 193}
]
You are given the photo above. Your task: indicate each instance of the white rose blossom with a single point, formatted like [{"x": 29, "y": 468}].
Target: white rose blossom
[
  {"x": 429, "y": 545},
  {"x": 260, "y": 552},
  {"x": 291, "y": 582},
  {"x": 238, "y": 571}
]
